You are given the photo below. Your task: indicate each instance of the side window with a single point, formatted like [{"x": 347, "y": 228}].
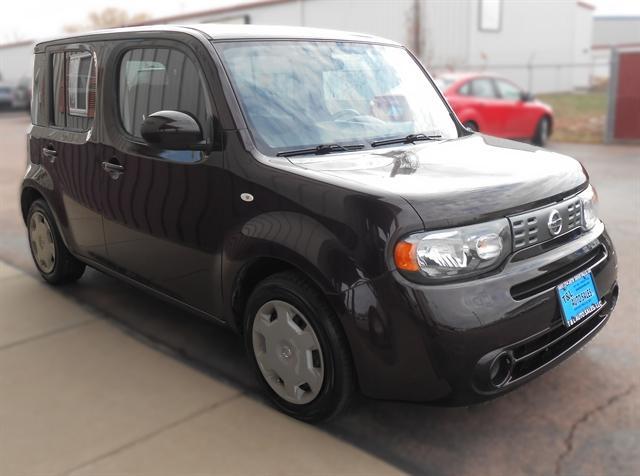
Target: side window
[
  {"x": 156, "y": 79},
  {"x": 490, "y": 15},
  {"x": 508, "y": 91},
  {"x": 81, "y": 89},
  {"x": 73, "y": 90},
  {"x": 483, "y": 88},
  {"x": 38, "y": 88},
  {"x": 58, "y": 116},
  {"x": 465, "y": 89}
]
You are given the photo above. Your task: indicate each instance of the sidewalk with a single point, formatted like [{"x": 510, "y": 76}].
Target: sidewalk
[{"x": 79, "y": 396}]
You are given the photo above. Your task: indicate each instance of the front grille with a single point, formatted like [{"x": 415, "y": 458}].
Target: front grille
[
  {"x": 554, "y": 277},
  {"x": 531, "y": 228},
  {"x": 545, "y": 347}
]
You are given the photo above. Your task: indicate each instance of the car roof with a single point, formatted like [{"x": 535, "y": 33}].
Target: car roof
[
  {"x": 222, "y": 31},
  {"x": 463, "y": 76}
]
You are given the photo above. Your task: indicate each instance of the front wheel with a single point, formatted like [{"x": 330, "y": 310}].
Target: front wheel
[
  {"x": 297, "y": 348},
  {"x": 472, "y": 126},
  {"x": 541, "y": 136}
]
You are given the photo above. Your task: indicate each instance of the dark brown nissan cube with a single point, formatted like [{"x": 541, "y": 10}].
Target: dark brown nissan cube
[{"x": 313, "y": 191}]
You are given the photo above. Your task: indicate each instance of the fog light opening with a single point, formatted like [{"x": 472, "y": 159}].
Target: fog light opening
[
  {"x": 500, "y": 369},
  {"x": 614, "y": 296}
]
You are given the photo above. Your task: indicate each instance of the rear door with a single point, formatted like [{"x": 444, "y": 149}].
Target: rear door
[
  {"x": 68, "y": 148},
  {"x": 162, "y": 207}
]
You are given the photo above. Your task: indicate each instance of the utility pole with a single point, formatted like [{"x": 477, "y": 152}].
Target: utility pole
[{"x": 417, "y": 28}]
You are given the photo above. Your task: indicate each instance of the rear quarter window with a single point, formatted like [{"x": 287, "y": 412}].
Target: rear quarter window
[
  {"x": 38, "y": 90},
  {"x": 74, "y": 82},
  {"x": 81, "y": 89}
]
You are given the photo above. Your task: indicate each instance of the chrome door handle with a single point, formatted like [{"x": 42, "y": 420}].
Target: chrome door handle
[
  {"x": 50, "y": 154},
  {"x": 114, "y": 170}
]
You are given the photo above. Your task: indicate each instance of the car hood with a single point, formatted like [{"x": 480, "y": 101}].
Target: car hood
[{"x": 457, "y": 181}]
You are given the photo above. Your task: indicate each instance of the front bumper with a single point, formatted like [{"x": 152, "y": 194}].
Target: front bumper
[{"x": 436, "y": 343}]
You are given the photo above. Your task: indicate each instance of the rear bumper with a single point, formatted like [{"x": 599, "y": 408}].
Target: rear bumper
[{"x": 436, "y": 343}]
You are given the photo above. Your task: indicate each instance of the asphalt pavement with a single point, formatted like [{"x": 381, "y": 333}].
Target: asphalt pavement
[{"x": 583, "y": 417}]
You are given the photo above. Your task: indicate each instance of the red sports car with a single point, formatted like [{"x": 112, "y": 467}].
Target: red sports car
[{"x": 496, "y": 106}]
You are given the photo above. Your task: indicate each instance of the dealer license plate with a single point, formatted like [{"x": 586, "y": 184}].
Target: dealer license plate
[{"x": 578, "y": 298}]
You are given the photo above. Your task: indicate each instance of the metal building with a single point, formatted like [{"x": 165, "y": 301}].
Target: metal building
[
  {"x": 612, "y": 33},
  {"x": 16, "y": 62},
  {"x": 543, "y": 46}
]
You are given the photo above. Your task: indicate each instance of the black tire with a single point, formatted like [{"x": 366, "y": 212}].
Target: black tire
[
  {"x": 472, "y": 126},
  {"x": 339, "y": 381},
  {"x": 66, "y": 268},
  {"x": 543, "y": 131}
]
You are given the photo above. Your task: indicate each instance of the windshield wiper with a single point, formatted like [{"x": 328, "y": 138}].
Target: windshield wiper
[
  {"x": 410, "y": 139},
  {"x": 321, "y": 149}
]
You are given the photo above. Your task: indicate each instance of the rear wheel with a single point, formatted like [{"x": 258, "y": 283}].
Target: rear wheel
[
  {"x": 52, "y": 258},
  {"x": 298, "y": 349},
  {"x": 541, "y": 136},
  {"x": 472, "y": 126}
]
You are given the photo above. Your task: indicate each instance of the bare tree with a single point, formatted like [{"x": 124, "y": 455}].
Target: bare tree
[{"x": 108, "y": 18}]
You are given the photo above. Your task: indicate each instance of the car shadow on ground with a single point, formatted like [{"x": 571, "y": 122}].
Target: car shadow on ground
[{"x": 416, "y": 438}]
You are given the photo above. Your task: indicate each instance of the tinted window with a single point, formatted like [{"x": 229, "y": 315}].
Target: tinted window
[
  {"x": 58, "y": 102},
  {"x": 443, "y": 83},
  {"x": 38, "y": 89},
  {"x": 508, "y": 91},
  {"x": 298, "y": 94},
  {"x": 483, "y": 88},
  {"x": 156, "y": 79},
  {"x": 81, "y": 89},
  {"x": 465, "y": 89},
  {"x": 73, "y": 99}
]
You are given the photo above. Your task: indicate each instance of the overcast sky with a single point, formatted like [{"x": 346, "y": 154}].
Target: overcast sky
[{"x": 28, "y": 19}]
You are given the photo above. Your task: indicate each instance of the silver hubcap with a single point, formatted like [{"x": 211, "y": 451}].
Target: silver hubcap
[
  {"x": 41, "y": 240},
  {"x": 288, "y": 352}
]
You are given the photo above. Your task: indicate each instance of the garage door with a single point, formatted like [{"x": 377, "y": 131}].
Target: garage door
[{"x": 626, "y": 123}]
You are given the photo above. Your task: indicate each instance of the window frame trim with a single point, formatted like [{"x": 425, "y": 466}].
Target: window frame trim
[
  {"x": 64, "y": 50},
  {"x": 494, "y": 88},
  {"x": 504, "y": 80},
  {"x": 77, "y": 112},
  {"x": 158, "y": 43}
]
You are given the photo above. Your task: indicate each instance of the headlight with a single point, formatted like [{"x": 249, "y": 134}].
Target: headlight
[
  {"x": 454, "y": 253},
  {"x": 589, "y": 199}
]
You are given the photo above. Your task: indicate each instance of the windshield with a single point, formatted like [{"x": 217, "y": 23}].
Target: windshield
[
  {"x": 299, "y": 94},
  {"x": 443, "y": 83}
]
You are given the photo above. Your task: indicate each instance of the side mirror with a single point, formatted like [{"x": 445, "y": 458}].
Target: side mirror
[
  {"x": 173, "y": 130},
  {"x": 526, "y": 97}
]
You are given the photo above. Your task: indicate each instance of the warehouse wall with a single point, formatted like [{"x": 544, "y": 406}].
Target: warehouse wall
[
  {"x": 388, "y": 19},
  {"x": 543, "y": 46},
  {"x": 16, "y": 62},
  {"x": 445, "y": 34},
  {"x": 616, "y": 30},
  {"x": 539, "y": 44}
]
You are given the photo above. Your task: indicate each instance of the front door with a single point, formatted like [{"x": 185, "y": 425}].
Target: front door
[
  {"x": 519, "y": 118},
  {"x": 486, "y": 103},
  {"x": 162, "y": 217}
]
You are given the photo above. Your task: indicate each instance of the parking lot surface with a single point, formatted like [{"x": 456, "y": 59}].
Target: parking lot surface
[{"x": 582, "y": 417}]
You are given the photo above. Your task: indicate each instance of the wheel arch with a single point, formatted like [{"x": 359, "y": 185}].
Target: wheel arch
[
  {"x": 28, "y": 195},
  {"x": 257, "y": 270},
  {"x": 550, "y": 118},
  {"x": 470, "y": 115}
]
